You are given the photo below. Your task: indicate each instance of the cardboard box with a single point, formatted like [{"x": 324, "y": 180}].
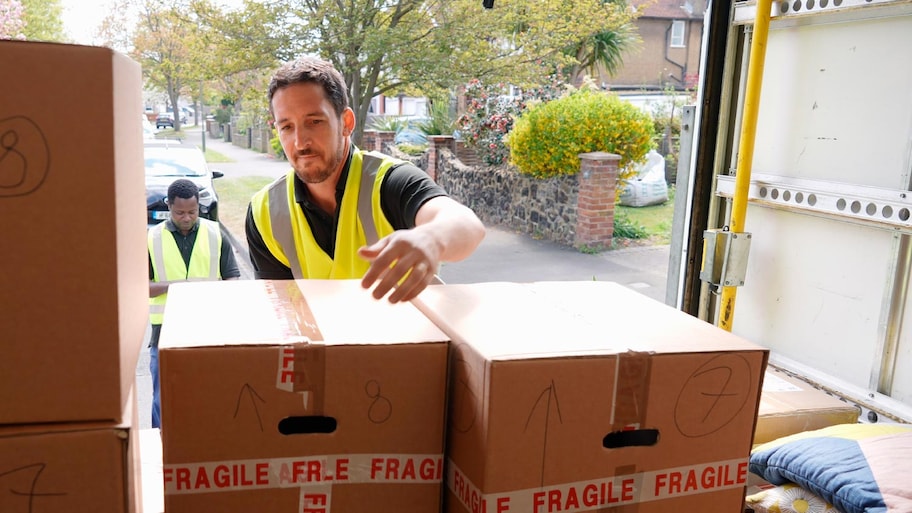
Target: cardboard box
[
  {"x": 73, "y": 269},
  {"x": 300, "y": 395},
  {"x": 77, "y": 468},
  {"x": 583, "y": 396},
  {"x": 789, "y": 405}
]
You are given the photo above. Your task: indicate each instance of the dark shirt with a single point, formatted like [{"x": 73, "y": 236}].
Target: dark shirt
[
  {"x": 228, "y": 267},
  {"x": 404, "y": 189}
]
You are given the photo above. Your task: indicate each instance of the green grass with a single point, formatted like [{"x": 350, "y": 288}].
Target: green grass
[
  {"x": 655, "y": 220},
  {"x": 234, "y": 196},
  {"x": 214, "y": 157}
]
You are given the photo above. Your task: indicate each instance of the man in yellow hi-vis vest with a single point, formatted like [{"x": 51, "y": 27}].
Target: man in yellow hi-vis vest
[
  {"x": 185, "y": 247},
  {"x": 343, "y": 212}
]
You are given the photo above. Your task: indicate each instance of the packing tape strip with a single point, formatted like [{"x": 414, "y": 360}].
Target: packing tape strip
[
  {"x": 311, "y": 472},
  {"x": 631, "y": 391},
  {"x": 302, "y": 366},
  {"x": 617, "y": 493}
]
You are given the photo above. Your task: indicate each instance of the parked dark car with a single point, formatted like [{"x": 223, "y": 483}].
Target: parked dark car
[
  {"x": 164, "y": 120},
  {"x": 168, "y": 162}
]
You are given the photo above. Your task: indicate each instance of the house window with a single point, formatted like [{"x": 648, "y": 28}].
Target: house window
[{"x": 677, "y": 34}]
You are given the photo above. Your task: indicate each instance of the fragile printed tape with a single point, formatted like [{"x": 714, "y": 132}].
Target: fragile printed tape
[
  {"x": 597, "y": 494},
  {"x": 301, "y": 365},
  {"x": 309, "y": 471}
]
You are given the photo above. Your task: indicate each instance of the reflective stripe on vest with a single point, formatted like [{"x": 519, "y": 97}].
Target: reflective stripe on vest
[
  {"x": 168, "y": 264},
  {"x": 287, "y": 234}
]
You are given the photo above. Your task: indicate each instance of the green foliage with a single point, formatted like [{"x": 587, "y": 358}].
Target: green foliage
[
  {"x": 604, "y": 49},
  {"x": 276, "y": 145},
  {"x": 43, "y": 20},
  {"x": 388, "y": 123},
  {"x": 666, "y": 117},
  {"x": 655, "y": 220},
  {"x": 440, "y": 122},
  {"x": 546, "y": 141},
  {"x": 223, "y": 115},
  {"x": 626, "y": 228},
  {"x": 412, "y": 149}
]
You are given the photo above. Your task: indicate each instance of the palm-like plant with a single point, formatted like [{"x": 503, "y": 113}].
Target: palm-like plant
[{"x": 605, "y": 48}]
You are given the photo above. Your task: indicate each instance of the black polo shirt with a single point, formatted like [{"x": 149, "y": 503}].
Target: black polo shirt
[
  {"x": 228, "y": 267},
  {"x": 404, "y": 189}
]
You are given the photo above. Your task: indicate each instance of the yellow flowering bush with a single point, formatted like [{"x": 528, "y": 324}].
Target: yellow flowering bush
[{"x": 547, "y": 139}]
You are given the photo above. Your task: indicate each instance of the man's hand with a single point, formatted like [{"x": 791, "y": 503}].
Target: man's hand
[{"x": 406, "y": 261}]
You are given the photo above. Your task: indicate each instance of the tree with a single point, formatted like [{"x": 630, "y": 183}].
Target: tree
[
  {"x": 603, "y": 49},
  {"x": 162, "y": 44},
  {"x": 43, "y": 20},
  {"x": 241, "y": 48},
  {"x": 12, "y": 23},
  {"x": 390, "y": 46},
  {"x": 116, "y": 29}
]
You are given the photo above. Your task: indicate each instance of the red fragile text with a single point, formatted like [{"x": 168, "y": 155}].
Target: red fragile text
[
  {"x": 406, "y": 469},
  {"x": 314, "y": 503},
  {"x": 286, "y": 374},
  {"x": 219, "y": 476},
  {"x": 313, "y": 471},
  {"x": 700, "y": 479},
  {"x": 589, "y": 495},
  {"x": 470, "y": 497}
]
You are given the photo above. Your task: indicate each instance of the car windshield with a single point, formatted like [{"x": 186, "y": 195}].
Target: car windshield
[{"x": 172, "y": 163}]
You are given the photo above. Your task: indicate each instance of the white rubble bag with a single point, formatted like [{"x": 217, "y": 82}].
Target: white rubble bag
[{"x": 648, "y": 186}]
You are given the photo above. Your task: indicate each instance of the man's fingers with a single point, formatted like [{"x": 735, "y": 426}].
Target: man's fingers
[
  {"x": 379, "y": 265},
  {"x": 417, "y": 280}
]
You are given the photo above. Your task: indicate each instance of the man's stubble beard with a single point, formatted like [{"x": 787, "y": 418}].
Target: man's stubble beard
[{"x": 321, "y": 175}]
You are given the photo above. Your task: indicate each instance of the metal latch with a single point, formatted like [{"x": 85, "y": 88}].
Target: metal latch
[{"x": 725, "y": 257}]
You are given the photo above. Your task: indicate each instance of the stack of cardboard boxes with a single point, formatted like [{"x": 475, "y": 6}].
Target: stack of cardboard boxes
[
  {"x": 311, "y": 396},
  {"x": 73, "y": 278}
]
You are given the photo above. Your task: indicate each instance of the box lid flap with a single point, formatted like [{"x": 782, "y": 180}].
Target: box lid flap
[{"x": 245, "y": 312}]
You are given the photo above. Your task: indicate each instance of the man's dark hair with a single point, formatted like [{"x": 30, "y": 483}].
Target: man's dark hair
[
  {"x": 311, "y": 69},
  {"x": 182, "y": 188}
]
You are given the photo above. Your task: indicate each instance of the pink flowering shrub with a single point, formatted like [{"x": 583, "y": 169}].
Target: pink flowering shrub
[
  {"x": 11, "y": 20},
  {"x": 491, "y": 110}
]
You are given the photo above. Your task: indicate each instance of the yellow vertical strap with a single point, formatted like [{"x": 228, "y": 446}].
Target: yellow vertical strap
[{"x": 746, "y": 143}]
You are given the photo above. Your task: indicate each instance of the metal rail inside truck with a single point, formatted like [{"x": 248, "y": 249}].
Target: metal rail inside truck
[{"x": 793, "y": 214}]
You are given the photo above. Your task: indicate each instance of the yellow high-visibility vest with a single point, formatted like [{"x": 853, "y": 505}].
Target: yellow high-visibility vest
[
  {"x": 287, "y": 235},
  {"x": 168, "y": 264}
]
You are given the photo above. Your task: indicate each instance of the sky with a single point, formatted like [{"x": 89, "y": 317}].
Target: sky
[{"x": 81, "y": 18}]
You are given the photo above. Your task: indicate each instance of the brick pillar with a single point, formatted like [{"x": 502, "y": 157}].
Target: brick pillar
[
  {"x": 369, "y": 140},
  {"x": 435, "y": 144},
  {"x": 467, "y": 155},
  {"x": 595, "y": 206},
  {"x": 383, "y": 139}
]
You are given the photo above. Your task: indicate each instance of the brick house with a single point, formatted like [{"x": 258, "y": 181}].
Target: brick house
[{"x": 669, "y": 54}]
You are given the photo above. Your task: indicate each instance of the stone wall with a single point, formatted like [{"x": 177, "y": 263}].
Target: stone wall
[
  {"x": 502, "y": 196},
  {"x": 574, "y": 210}
]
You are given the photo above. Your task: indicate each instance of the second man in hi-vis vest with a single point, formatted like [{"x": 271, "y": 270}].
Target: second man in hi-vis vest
[
  {"x": 185, "y": 247},
  {"x": 344, "y": 213}
]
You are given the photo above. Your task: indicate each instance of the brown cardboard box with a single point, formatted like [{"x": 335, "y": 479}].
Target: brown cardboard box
[
  {"x": 789, "y": 405},
  {"x": 73, "y": 271},
  {"x": 248, "y": 367},
  {"x": 582, "y": 396},
  {"x": 72, "y": 467}
]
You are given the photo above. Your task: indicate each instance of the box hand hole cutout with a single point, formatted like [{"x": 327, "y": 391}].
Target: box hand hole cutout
[
  {"x": 631, "y": 438},
  {"x": 306, "y": 425}
]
